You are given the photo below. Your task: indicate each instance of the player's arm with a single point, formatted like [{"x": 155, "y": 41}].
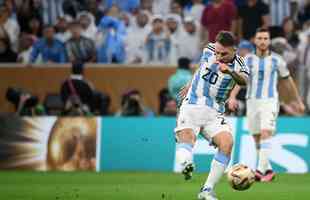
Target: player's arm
[
  {"x": 290, "y": 87},
  {"x": 240, "y": 77},
  {"x": 232, "y": 100}
]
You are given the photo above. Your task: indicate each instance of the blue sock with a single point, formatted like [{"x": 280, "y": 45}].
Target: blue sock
[
  {"x": 186, "y": 146},
  {"x": 222, "y": 158}
]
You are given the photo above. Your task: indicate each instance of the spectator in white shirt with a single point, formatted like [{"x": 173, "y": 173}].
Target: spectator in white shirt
[
  {"x": 87, "y": 20},
  {"x": 158, "y": 43},
  {"x": 135, "y": 42},
  {"x": 161, "y": 7},
  {"x": 190, "y": 44},
  {"x": 175, "y": 28},
  {"x": 62, "y": 28},
  {"x": 25, "y": 48},
  {"x": 10, "y": 26}
]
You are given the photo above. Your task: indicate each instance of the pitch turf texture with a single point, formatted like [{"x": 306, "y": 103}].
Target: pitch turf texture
[{"x": 139, "y": 186}]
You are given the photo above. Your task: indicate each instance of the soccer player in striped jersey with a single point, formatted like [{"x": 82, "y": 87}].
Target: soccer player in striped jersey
[
  {"x": 203, "y": 107},
  {"x": 267, "y": 70}
]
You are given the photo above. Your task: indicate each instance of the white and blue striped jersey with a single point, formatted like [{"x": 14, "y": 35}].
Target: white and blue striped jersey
[
  {"x": 210, "y": 86},
  {"x": 265, "y": 72},
  {"x": 279, "y": 9}
]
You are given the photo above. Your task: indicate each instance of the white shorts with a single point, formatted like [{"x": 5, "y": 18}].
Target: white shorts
[
  {"x": 199, "y": 117},
  {"x": 262, "y": 114}
]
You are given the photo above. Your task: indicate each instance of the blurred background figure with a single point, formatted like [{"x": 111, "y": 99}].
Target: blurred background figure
[
  {"x": 167, "y": 104},
  {"x": 194, "y": 10},
  {"x": 176, "y": 32},
  {"x": 23, "y": 101},
  {"x": 245, "y": 47},
  {"x": 48, "y": 48},
  {"x": 217, "y": 16},
  {"x": 93, "y": 6},
  {"x": 304, "y": 11},
  {"x": 10, "y": 26},
  {"x": 304, "y": 71},
  {"x": 159, "y": 7},
  {"x": 7, "y": 55},
  {"x": 127, "y": 6},
  {"x": 62, "y": 28},
  {"x": 289, "y": 32},
  {"x": 180, "y": 78},
  {"x": 252, "y": 15},
  {"x": 158, "y": 43},
  {"x": 25, "y": 48},
  {"x": 35, "y": 28},
  {"x": 135, "y": 43},
  {"x": 281, "y": 46},
  {"x": 279, "y": 10},
  {"x": 132, "y": 105},
  {"x": 191, "y": 41},
  {"x": 76, "y": 92},
  {"x": 111, "y": 45},
  {"x": 79, "y": 48},
  {"x": 87, "y": 22},
  {"x": 27, "y": 12},
  {"x": 52, "y": 9}
]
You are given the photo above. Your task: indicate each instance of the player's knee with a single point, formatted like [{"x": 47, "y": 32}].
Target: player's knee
[
  {"x": 186, "y": 136},
  {"x": 225, "y": 143},
  {"x": 265, "y": 134}
]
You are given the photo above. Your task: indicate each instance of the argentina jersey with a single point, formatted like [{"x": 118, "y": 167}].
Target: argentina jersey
[
  {"x": 265, "y": 72},
  {"x": 210, "y": 86}
]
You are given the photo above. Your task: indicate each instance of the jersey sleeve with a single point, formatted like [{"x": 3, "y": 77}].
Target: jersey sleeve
[
  {"x": 208, "y": 51},
  {"x": 241, "y": 66},
  {"x": 282, "y": 69}
]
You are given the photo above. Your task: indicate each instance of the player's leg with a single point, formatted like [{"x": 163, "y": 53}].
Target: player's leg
[
  {"x": 254, "y": 126},
  {"x": 268, "y": 117},
  {"x": 224, "y": 141},
  {"x": 264, "y": 165},
  {"x": 184, "y": 151},
  {"x": 186, "y": 132},
  {"x": 256, "y": 137}
]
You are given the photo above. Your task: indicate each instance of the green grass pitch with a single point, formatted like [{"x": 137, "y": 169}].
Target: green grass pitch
[{"x": 138, "y": 186}]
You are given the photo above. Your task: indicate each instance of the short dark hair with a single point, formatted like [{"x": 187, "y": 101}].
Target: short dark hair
[
  {"x": 262, "y": 30},
  {"x": 225, "y": 38},
  {"x": 184, "y": 63}
]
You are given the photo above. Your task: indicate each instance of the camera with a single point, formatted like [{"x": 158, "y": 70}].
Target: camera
[{"x": 13, "y": 95}]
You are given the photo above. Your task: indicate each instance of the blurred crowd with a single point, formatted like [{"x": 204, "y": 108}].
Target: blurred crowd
[
  {"x": 156, "y": 32},
  {"x": 139, "y": 31}
]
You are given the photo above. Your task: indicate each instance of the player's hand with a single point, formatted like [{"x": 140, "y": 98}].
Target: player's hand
[
  {"x": 183, "y": 91},
  {"x": 295, "y": 108},
  {"x": 24, "y": 98},
  {"x": 301, "y": 107},
  {"x": 224, "y": 68},
  {"x": 232, "y": 104}
]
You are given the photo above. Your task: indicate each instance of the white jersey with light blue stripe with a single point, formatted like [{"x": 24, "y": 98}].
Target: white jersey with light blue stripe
[
  {"x": 265, "y": 72},
  {"x": 210, "y": 86},
  {"x": 279, "y": 9}
]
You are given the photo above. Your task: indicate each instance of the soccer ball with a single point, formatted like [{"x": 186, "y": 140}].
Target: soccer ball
[{"x": 240, "y": 177}]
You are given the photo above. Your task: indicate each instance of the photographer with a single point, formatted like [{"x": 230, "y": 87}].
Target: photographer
[
  {"x": 76, "y": 92},
  {"x": 23, "y": 101},
  {"x": 132, "y": 105}
]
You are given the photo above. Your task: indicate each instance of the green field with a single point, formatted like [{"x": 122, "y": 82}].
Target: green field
[{"x": 138, "y": 186}]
